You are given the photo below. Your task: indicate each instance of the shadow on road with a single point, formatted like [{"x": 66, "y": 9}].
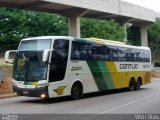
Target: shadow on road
[{"x": 86, "y": 96}]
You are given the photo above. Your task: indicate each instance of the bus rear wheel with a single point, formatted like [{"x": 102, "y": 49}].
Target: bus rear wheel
[
  {"x": 76, "y": 91},
  {"x": 138, "y": 84},
  {"x": 132, "y": 84}
]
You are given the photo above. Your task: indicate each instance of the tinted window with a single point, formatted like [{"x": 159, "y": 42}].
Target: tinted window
[
  {"x": 96, "y": 52},
  {"x": 114, "y": 53},
  {"x": 121, "y": 52},
  {"x": 139, "y": 55},
  {"x": 91, "y": 51},
  {"x": 146, "y": 55},
  {"x": 108, "y": 53},
  {"x": 59, "y": 60},
  {"x": 79, "y": 51}
]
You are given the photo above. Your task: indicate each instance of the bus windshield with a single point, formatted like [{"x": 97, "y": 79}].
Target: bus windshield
[
  {"x": 35, "y": 45},
  {"x": 28, "y": 65}
]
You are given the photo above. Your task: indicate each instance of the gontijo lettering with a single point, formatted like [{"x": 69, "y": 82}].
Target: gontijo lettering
[{"x": 128, "y": 66}]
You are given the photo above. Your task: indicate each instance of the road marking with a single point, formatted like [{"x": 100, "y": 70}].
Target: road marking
[
  {"x": 121, "y": 106},
  {"x": 130, "y": 103}
]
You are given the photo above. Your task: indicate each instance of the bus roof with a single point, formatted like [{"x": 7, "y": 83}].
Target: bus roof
[
  {"x": 47, "y": 37},
  {"x": 89, "y": 40},
  {"x": 110, "y": 43}
]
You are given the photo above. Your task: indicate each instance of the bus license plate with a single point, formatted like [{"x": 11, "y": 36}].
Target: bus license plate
[{"x": 25, "y": 92}]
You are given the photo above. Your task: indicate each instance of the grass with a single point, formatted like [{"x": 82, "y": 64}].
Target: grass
[{"x": 2, "y": 63}]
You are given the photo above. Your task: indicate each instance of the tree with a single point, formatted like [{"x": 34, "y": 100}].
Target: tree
[
  {"x": 154, "y": 39},
  {"x": 10, "y": 29},
  {"x": 133, "y": 35},
  {"x": 43, "y": 24},
  {"x": 102, "y": 29},
  {"x": 16, "y": 24}
]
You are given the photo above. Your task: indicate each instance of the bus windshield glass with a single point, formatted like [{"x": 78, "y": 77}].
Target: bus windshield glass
[
  {"x": 28, "y": 65},
  {"x": 35, "y": 45}
]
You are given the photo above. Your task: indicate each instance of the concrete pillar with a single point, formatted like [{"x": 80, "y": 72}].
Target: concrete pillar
[
  {"x": 74, "y": 20},
  {"x": 74, "y": 26},
  {"x": 124, "y": 25},
  {"x": 125, "y": 32},
  {"x": 144, "y": 36}
]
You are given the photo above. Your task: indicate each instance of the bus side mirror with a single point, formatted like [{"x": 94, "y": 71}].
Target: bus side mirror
[
  {"x": 46, "y": 55},
  {"x": 10, "y": 56}
]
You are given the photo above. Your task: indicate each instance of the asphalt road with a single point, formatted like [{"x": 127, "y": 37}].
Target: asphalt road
[{"x": 95, "y": 105}]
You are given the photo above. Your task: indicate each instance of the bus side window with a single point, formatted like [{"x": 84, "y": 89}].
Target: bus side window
[
  {"x": 107, "y": 53},
  {"x": 141, "y": 56},
  {"x": 133, "y": 55},
  {"x": 146, "y": 56},
  {"x": 121, "y": 54},
  {"x": 75, "y": 54},
  {"x": 59, "y": 60},
  {"x": 127, "y": 54},
  {"x": 79, "y": 51},
  {"x": 110, "y": 53},
  {"x": 96, "y": 52},
  {"x": 114, "y": 53}
]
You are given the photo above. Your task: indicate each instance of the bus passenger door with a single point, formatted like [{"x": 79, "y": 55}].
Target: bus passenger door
[{"x": 58, "y": 65}]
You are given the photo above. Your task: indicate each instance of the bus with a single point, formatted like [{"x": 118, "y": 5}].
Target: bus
[{"x": 55, "y": 66}]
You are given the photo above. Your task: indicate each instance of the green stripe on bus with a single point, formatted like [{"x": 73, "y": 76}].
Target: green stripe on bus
[
  {"x": 106, "y": 75},
  {"x": 97, "y": 74}
]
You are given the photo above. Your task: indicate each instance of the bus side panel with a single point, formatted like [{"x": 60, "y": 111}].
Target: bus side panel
[
  {"x": 96, "y": 75},
  {"x": 58, "y": 89},
  {"x": 135, "y": 75},
  {"x": 79, "y": 71},
  {"x": 134, "y": 70},
  {"x": 101, "y": 75},
  {"x": 118, "y": 77},
  {"x": 147, "y": 77}
]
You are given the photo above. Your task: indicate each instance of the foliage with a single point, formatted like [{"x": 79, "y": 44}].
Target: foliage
[
  {"x": 9, "y": 26},
  {"x": 154, "y": 38},
  {"x": 133, "y": 35},
  {"x": 102, "y": 29},
  {"x": 16, "y": 24}
]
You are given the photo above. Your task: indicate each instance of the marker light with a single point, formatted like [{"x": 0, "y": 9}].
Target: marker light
[{"x": 15, "y": 93}]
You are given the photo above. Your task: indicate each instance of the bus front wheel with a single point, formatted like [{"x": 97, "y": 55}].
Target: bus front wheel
[{"x": 77, "y": 91}]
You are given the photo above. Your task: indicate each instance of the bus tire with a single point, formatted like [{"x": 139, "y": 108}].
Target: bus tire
[
  {"x": 77, "y": 91},
  {"x": 138, "y": 84},
  {"x": 132, "y": 84}
]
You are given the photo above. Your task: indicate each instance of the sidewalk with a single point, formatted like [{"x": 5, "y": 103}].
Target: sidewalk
[
  {"x": 7, "y": 95},
  {"x": 154, "y": 78}
]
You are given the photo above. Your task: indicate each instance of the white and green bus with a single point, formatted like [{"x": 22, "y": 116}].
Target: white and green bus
[{"x": 55, "y": 66}]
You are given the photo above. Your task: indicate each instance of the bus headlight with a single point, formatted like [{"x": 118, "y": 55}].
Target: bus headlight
[
  {"x": 43, "y": 95},
  {"x": 41, "y": 85}
]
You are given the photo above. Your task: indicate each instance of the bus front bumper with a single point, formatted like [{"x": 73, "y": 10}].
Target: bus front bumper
[{"x": 36, "y": 92}]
